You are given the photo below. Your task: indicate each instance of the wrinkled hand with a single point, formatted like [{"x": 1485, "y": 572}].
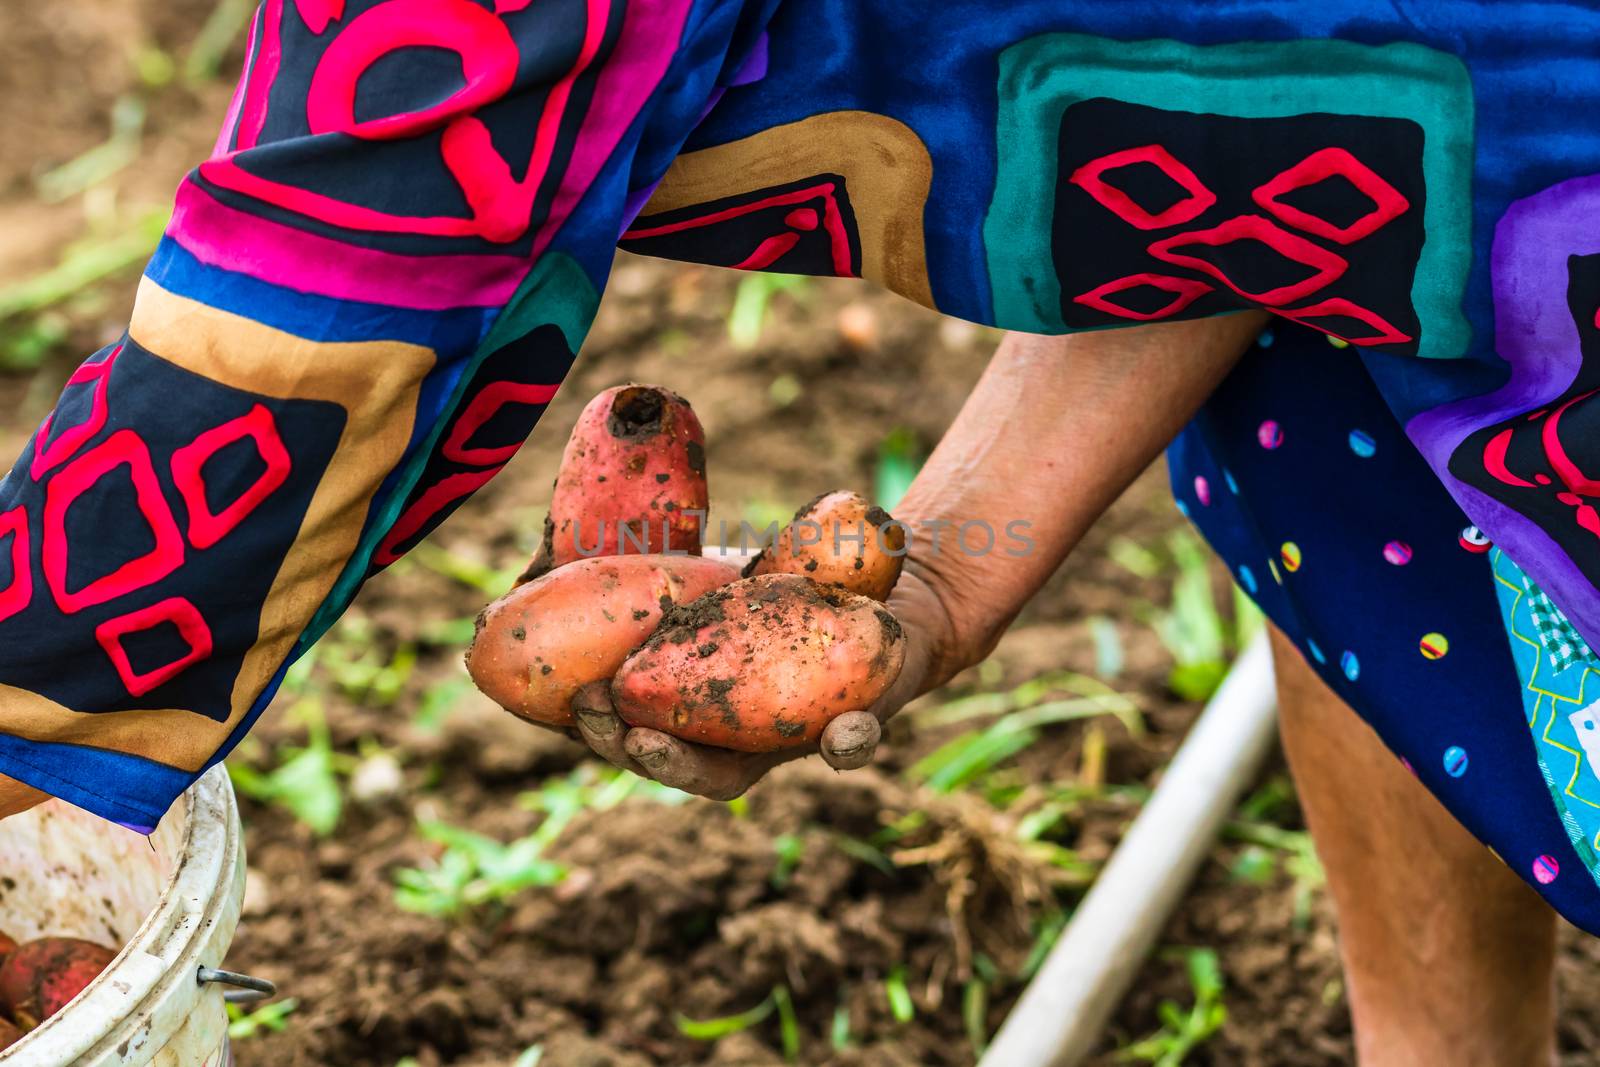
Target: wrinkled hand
[{"x": 848, "y": 742}]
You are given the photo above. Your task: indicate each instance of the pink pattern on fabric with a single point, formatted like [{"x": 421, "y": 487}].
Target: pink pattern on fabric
[
  {"x": 125, "y": 448},
  {"x": 19, "y": 593},
  {"x": 232, "y": 239},
  {"x": 436, "y": 499},
  {"x": 178, "y": 612},
  {"x": 501, "y": 207},
  {"x": 188, "y": 473},
  {"x": 221, "y": 236},
  {"x": 230, "y": 121},
  {"x": 487, "y": 52},
  {"x": 650, "y": 35},
  {"x": 260, "y": 75},
  {"x": 318, "y": 15},
  {"x": 48, "y": 454},
  {"x": 485, "y": 406}
]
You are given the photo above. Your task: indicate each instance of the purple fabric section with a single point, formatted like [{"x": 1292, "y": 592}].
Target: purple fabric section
[
  {"x": 1535, "y": 334},
  {"x": 754, "y": 67},
  {"x": 636, "y": 66},
  {"x": 637, "y": 200},
  {"x": 752, "y": 70}
]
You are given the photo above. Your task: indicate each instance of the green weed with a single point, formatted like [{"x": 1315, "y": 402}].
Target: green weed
[
  {"x": 748, "y": 316},
  {"x": 305, "y": 780},
  {"x": 272, "y": 1017},
  {"x": 1185, "y": 1029}
]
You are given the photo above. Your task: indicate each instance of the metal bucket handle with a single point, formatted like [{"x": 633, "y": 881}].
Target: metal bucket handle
[{"x": 247, "y": 988}]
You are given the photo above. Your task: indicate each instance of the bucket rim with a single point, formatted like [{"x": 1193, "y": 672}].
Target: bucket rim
[{"x": 165, "y": 948}]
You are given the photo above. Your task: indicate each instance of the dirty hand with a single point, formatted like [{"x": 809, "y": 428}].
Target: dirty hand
[
  {"x": 848, "y": 742},
  {"x": 1054, "y": 431}
]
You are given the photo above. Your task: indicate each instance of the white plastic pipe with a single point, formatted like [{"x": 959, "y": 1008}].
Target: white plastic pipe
[{"x": 1064, "y": 1009}]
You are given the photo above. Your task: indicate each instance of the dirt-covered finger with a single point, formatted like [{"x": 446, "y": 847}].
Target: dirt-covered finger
[
  {"x": 599, "y": 725},
  {"x": 708, "y": 772},
  {"x": 851, "y": 740}
]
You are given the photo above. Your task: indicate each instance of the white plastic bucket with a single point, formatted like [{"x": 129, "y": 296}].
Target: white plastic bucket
[{"x": 171, "y": 901}]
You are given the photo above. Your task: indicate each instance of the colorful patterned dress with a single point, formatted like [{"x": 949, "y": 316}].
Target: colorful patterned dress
[{"x": 369, "y": 292}]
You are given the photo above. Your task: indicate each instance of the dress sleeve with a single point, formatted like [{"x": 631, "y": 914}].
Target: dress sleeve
[{"x": 364, "y": 300}]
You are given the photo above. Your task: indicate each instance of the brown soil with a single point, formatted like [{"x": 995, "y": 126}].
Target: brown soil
[{"x": 686, "y": 909}]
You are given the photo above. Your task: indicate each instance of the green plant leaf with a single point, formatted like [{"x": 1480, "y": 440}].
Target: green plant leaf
[
  {"x": 900, "y": 1003},
  {"x": 975, "y": 1014},
  {"x": 272, "y": 1016},
  {"x": 715, "y": 1029},
  {"x": 788, "y": 1024},
  {"x": 899, "y": 460}
]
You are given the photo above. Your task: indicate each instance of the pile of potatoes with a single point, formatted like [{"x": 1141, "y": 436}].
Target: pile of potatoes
[
  {"x": 39, "y": 977},
  {"x": 755, "y": 661}
]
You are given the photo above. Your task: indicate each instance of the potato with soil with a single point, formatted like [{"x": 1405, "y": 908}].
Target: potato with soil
[
  {"x": 838, "y": 539},
  {"x": 762, "y": 664},
  {"x": 537, "y": 645},
  {"x": 40, "y": 977},
  {"x": 632, "y": 480}
]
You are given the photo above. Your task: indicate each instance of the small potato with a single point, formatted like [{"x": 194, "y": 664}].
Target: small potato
[
  {"x": 539, "y": 643},
  {"x": 760, "y": 665},
  {"x": 9, "y": 1034},
  {"x": 632, "y": 480},
  {"x": 838, "y": 539},
  {"x": 40, "y": 977}
]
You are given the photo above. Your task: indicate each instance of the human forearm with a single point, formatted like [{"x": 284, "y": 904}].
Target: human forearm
[{"x": 1055, "y": 430}]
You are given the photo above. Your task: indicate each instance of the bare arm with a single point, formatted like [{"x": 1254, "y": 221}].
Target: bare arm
[
  {"x": 1054, "y": 432},
  {"x": 1056, "y": 429}
]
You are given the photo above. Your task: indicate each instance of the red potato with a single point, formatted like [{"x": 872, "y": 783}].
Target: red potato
[
  {"x": 632, "y": 480},
  {"x": 762, "y": 664},
  {"x": 8, "y": 945},
  {"x": 536, "y": 646},
  {"x": 40, "y": 977},
  {"x": 838, "y": 539}
]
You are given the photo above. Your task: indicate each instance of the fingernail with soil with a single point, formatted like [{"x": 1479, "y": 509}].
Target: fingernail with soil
[
  {"x": 598, "y": 724},
  {"x": 654, "y": 758}
]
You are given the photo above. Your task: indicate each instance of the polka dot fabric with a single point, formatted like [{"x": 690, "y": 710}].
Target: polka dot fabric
[{"x": 1387, "y": 589}]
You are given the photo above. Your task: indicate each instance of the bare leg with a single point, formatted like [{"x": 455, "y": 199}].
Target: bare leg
[{"x": 1448, "y": 956}]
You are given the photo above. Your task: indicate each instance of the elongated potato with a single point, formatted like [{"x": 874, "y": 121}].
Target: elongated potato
[
  {"x": 762, "y": 664},
  {"x": 838, "y": 539},
  {"x": 632, "y": 480},
  {"x": 539, "y": 643}
]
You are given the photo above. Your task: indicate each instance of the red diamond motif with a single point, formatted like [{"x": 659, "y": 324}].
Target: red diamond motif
[
  {"x": 177, "y": 611},
  {"x": 188, "y": 473},
  {"x": 1384, "y": 332},
  {"x": 1388, "y": 203},
  {"x": 1185, "y": 292},
  {"x": 1325, "y": 265},
  {"x": 485, "y": 406},
  {"x": 15, "y": 597},
  {"x": 122, "y": 449},
  {"x": 1090, "y": 178},
  {"x": 47, "y": 454}
]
